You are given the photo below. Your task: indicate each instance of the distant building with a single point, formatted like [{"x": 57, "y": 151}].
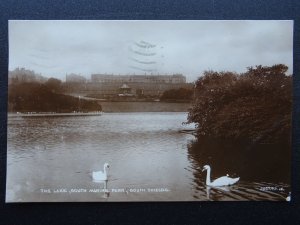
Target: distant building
[
  {"x": 74, "y": 78},
  {"x": 173, "y": 79},
  {"x": 22, "y": 75},
  {"x": 127, "y": 85}
]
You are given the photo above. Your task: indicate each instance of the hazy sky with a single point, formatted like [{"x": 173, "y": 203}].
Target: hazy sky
[{"x": 55, "y": 48}]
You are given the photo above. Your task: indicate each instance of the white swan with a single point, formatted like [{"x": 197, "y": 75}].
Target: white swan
[
  {"x": 222, "y": 181},
  {"x": 288, "y": 198},
  {"x": 101, "y": 176}
]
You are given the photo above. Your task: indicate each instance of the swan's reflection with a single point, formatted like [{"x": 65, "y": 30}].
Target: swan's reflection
[
  {"x": 102, "y": 177},
  {"x": 223, "y": 188},
  {"x": 104, "y": 190}
]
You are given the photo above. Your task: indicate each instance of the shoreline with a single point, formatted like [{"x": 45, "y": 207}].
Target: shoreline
[
  {"x": 126, "y": 106},
  {"x": 120, "y": 106},
  {"x": 44, "y": 114}
]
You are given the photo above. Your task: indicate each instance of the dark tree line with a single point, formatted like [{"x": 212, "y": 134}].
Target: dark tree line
[
  {"x": 255, "y": 105},
  {"x": 181, "y": 94},
  {"x": 38, "y": 97}
]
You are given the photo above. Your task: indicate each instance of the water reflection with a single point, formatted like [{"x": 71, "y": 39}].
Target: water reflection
[
  {"x": 103, "y": 188},
  {"x": 222, "y": 189},
  {"x": 261, "y": 177}
]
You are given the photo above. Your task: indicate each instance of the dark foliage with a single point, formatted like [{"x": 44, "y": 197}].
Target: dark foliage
[
  {"x": 37, "y": 97},
  {"x": 254, "y": 106},
  {"x": 54, "y": 84}
]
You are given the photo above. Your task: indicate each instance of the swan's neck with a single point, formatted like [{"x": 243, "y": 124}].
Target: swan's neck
[
  {"x": 208, "y": 177},
  {"x": 105, "y": 170}
]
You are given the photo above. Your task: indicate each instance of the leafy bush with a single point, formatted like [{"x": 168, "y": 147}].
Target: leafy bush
[{"x": 255, "y": 105}]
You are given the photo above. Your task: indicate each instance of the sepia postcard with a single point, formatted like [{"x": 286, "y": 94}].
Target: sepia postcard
[{"x": 149, "y": 110}]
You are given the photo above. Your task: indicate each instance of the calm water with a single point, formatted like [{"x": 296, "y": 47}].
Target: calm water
[{"x": 52, "y": 158}]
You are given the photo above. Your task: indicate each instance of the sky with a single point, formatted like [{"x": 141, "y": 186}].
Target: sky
[{"x": 189, "y": 47}]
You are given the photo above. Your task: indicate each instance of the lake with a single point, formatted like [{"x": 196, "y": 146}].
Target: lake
[{"x": 52, "y": 158}]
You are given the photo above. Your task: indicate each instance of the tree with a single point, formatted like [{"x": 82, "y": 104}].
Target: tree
[
  {"x": 181, "y": 94},
  {"x": 255, "y": 106},
  {"x": 53, "y": 84}
]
